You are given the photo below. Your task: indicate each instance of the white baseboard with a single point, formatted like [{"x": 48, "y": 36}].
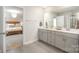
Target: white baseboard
[{"x": 32, "y": 41}]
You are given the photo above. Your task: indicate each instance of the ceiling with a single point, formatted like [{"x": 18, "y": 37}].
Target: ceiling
[{"x": 57, "y": 8}]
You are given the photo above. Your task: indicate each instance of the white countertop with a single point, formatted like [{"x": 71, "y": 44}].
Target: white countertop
[{"x": 72, "y": 31}]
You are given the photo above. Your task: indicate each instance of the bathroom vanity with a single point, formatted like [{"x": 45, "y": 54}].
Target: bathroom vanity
[
  {"x": 66, "y": 40},
  {"x": 61, "y": 29}
]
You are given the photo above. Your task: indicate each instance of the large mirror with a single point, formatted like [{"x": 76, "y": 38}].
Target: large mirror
[{"x": 67, "y": 19}]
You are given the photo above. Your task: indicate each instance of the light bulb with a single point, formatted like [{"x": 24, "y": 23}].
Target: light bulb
[{"x": 14, "y": 15}]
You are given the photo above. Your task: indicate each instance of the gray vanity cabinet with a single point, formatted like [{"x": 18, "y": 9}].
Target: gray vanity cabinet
[
  {"x": 68, "y": 42},
  {"x": 40, "y": 34},
  {"x": 71, "y": 42},
  {"x": 44, "y": 37},
  {"x": 51, "y": 37},
  {"x": 71, "y": 45},
  {"x": 59, "y": 41}
]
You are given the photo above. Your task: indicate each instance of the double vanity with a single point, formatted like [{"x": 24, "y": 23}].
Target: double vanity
[
  {"x": 65, "y": 40},
  {"x": 61, "y": 29}
]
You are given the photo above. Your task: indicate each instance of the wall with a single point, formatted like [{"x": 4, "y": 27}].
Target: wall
[{"x": 32, "y": 17}]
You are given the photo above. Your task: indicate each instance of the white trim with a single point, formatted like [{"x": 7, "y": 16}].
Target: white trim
[
  {"x": 29, "y": 42},
  {"x": 4, "y": 42}
]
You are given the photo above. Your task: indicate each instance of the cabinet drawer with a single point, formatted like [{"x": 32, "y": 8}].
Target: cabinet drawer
[
  {"x": 76, "y": 36},
  {"x": 59, "y": 33}
]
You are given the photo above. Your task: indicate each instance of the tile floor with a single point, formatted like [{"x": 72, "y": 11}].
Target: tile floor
[{"x": 37, "y": 47}]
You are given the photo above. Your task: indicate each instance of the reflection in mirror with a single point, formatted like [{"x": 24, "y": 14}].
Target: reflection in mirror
[
  {"x": 70, "y": 21},
  {"x": 60, "y": 22},
  {"x": 67, "y": 21},
  {"x": 48, "y": 20},
  {"x": 73, "y": 21},
  {"x": 54, "y": 22},
  {"x": 40, "y": 24},
  {"x": 77, "y": 20},
  {"x": 50, "y": 23},
  {"x": 77, "y": 27}
]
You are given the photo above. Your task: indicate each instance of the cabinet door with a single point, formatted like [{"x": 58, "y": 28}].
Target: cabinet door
[
  {"x": 71, "y": 44},
  {"x": 59, "y": 41},
  {"x": 44, "y": 35},
  {"x": 40, "y": 34},
  {"x": 50, "y": 37},
  {"x": 53, "y": 38}
]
